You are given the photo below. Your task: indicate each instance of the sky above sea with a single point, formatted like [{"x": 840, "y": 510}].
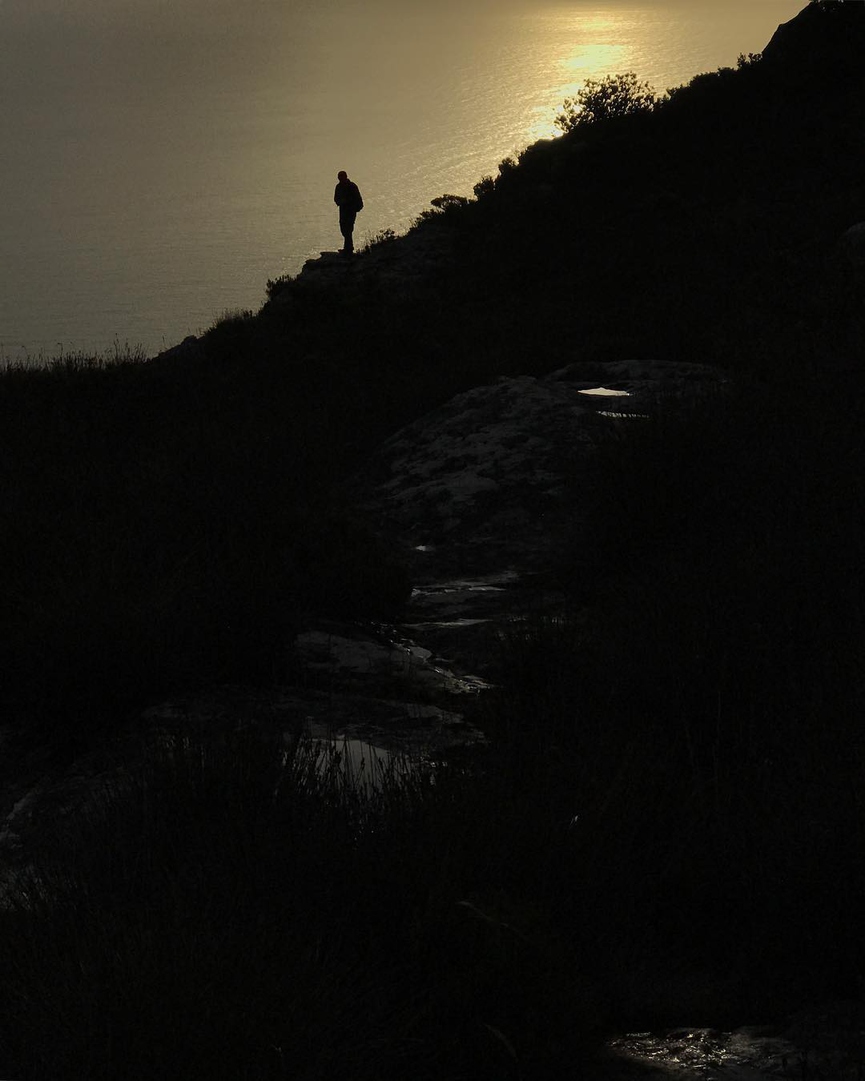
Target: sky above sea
[{"x": 163, "y": 160}]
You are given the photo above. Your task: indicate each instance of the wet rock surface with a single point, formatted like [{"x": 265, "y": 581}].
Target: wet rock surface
[
  {"x": 479, "y": 494},
  {"x": 483, "y": 494}
]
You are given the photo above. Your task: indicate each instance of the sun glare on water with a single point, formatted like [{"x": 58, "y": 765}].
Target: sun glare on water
[{"x": 595, "y": 45}]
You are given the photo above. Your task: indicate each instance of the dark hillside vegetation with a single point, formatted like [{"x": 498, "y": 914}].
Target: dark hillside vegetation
[
  {"x": 165, "y": 529},
  {"x": 705, "y": 723},
  {"x": 667, "y": 824}
]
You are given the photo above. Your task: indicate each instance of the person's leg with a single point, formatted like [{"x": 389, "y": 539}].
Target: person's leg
[{"x": 346, "y": 227}]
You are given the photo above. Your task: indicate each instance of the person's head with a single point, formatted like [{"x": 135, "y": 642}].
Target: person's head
[{"x": 342, "y": 175}]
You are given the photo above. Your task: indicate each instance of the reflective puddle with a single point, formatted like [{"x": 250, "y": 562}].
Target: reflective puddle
[
  {"x": 607, "y": 392},
  {"x": 360, "y": 764}
]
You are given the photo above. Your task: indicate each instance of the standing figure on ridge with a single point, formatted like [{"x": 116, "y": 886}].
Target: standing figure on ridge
[{"x": 348, "y": 198}]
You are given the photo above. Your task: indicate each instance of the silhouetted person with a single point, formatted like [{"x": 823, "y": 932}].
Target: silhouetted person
[{"x": 347, "y": 197}]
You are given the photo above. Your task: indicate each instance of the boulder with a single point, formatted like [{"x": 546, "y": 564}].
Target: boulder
[
  {"x": 826, "y": 38},
  {"x": 188, "y": 349},
  {"x": 491, "y": 479}
]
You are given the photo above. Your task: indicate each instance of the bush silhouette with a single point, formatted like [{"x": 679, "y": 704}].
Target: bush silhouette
[{"x": 603, "y": 99}]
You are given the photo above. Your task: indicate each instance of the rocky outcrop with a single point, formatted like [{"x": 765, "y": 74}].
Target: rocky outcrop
[
  {"x": 491, "y": 480},
  {"x": 396, "y": 264},
  {"x": 826, "y": 38},
  {"x": 187, "y": 350}
]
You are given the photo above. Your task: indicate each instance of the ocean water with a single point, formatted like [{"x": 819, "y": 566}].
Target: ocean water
[{"x": 162, "y": 161}]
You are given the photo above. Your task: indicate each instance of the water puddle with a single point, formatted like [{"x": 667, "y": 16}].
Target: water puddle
[
  {"x": 490, "y": 583},
  {"x": 367, "y": 757},
  {"x": 440, "y": 623},
  {"x": 613, "y": 392},
  {"x": 360, "y": 764},
  {"x": 606, "y": 392}
]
